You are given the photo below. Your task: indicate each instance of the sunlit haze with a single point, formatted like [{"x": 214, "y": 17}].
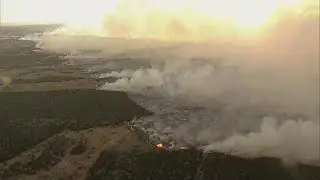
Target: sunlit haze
[
  {"x": 139, "y": 16},
  {"x": 51, "y": 11},
  {"x": 239, "y": 76}
]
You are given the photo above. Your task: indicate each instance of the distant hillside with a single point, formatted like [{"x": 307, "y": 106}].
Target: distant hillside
[{"x": 20, "y": 30}]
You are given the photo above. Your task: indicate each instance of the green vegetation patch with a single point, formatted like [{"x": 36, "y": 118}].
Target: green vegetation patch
[
  {"x": 27, "y": 118},
  {"x": 153, "y": 165},
  {"x": 50, "y": 156},
  {"x": 219, "y": 166}
]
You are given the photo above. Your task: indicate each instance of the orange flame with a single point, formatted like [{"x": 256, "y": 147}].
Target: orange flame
[{"x": 160, "y": 145}]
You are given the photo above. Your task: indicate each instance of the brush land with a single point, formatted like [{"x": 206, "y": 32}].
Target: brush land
[{"x": 55, "y": 125}]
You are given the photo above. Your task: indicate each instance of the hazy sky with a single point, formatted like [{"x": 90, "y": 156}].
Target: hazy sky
[
  {"x": 47, "y": 11},
  {"x": 40, "y": 11},
  {"x": 26, "y": 11}
]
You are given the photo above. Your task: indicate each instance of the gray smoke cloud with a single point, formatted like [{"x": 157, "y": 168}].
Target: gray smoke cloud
[{"x": 263, "y": 92}]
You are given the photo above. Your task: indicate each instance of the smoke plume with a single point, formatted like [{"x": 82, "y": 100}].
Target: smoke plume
[{"x": 259, "y": 88}]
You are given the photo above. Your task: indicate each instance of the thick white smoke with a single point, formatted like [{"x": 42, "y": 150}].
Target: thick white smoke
[
  {"x": 260, "y": 95},
  {"x": 292, "y": 141}
]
